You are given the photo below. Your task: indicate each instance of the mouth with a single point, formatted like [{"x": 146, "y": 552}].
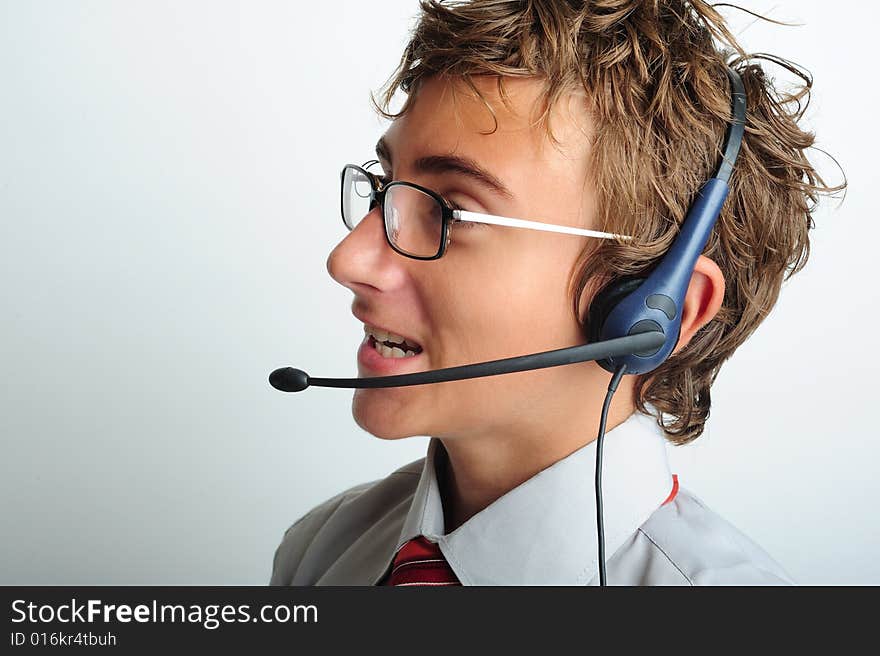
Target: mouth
[{"x": 391, "y": 345}]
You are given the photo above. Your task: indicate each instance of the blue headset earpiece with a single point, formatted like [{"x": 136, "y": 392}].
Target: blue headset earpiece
[{"x": 636, "y": 305}]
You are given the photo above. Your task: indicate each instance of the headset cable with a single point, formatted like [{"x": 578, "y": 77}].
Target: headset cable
[{"x": 600, "y": 440}]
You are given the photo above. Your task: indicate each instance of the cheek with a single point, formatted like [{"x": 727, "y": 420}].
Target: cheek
[
  {"x": 541, "y": 295},
  {"x": 518, "y": 308},
  {"x": 509, "y": 300}
]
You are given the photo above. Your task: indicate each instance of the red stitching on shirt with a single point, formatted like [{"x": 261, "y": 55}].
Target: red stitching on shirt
[{"x": 674, "y": 490}]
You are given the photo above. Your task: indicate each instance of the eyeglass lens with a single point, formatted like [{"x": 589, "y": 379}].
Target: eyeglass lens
[
  {"x": 356, "y": 192},
  {"x": 413, "y": 219}
]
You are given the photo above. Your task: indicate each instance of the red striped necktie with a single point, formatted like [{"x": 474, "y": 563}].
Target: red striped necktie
[{"x": 420, "y": 562}]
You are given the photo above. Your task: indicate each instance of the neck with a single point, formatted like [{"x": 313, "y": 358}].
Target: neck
[{"x": 476, "y": 471}]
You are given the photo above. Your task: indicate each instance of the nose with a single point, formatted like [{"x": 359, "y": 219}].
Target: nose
[{"x": 363, "y": 257}]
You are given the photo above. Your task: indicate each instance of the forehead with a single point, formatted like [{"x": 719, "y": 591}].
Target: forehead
[{"x": 447, "y": 116}]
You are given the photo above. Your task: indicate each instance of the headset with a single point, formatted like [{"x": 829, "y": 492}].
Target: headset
[{"x": 634, "y": 322}]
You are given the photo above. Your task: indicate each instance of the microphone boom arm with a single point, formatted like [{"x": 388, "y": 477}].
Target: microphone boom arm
[{"x": 288, "y": 379}]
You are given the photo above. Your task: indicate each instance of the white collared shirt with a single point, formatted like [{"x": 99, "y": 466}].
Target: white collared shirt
[{"x": 542, "y": 532}]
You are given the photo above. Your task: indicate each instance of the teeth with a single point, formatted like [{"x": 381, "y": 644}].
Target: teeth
[
  {"x": 393, "y": 352},
  {"x": 384, "y": 336}
]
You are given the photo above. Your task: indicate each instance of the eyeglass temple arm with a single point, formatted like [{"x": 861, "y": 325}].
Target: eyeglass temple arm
[{"x": 464, "y": 215}]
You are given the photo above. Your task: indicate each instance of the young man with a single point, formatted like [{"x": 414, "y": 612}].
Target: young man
[{"x": 604, "y": 116}]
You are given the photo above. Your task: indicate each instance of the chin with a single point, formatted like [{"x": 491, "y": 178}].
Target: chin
[{"x": 381, "y": 419}]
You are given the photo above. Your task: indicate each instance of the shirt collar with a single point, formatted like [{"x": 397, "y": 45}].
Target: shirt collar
[{"x": 543, "y": 532}]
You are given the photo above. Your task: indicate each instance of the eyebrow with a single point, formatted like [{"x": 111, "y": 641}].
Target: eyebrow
[{"x": 450, "y": 164}]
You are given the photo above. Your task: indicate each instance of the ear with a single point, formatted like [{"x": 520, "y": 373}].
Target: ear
[{"x": 702, "y": 301}]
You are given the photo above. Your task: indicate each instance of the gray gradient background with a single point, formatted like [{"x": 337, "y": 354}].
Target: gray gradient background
[{"x": 168, "y": 198}]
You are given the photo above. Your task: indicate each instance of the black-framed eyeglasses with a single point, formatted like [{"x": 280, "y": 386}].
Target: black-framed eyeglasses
[{"x": 418, "y": 220}]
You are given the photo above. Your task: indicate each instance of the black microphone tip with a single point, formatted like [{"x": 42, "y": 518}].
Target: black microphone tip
[{"x": 288, "y": 379}]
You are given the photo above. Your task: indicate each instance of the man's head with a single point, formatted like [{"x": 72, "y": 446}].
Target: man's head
[{"x": 605, "y": 115}]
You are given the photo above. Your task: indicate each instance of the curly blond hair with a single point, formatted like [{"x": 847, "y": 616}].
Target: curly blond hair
[{"x": 655, "y": 76}]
